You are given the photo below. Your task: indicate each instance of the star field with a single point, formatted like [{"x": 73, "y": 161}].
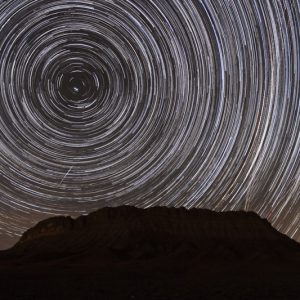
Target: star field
[{"x": 178, "y": 103}]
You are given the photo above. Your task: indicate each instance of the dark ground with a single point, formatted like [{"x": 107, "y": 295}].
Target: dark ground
[{"x": 150, "y": 281}]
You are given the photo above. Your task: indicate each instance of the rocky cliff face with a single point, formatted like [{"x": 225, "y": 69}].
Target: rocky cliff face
[
  {"x": 130, "y": 233},
  {"x": 50, "y": 227}
]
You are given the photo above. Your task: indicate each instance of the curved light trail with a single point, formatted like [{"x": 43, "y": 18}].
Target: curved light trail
[{"x": 179, "y": 103}]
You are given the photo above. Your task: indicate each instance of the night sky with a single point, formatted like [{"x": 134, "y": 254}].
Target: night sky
[{"x": 164, "y": 102}]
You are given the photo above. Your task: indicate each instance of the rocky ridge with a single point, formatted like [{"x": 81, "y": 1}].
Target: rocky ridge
[{"x": 130, "y": 233}]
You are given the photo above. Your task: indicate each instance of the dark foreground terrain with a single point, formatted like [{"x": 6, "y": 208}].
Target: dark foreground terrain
[{"x": 157, "y": 253}]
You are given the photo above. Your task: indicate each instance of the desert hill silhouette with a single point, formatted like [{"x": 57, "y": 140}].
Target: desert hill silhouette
[
  {"x": 127, "y": 232},
  {"x": 132, "y": 253}
]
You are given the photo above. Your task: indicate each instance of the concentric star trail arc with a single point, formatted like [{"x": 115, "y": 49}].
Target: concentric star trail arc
[{"x": 179, "y": 103}]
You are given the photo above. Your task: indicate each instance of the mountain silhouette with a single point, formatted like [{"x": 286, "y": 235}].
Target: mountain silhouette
[
  {"x": 130, "y": 233},
  {"x": 130, "y": 248}
]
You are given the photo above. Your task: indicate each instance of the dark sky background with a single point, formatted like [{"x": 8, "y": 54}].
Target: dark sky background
[{"x": 178, "y": 103}]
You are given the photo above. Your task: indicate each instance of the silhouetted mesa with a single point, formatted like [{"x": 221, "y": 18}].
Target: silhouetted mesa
[
  {"x": 151, "y": 254},
  {"x": 131, "y": 234}
]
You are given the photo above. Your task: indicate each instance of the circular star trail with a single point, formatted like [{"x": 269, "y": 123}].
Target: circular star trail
[{"x": 179, "y": 103}]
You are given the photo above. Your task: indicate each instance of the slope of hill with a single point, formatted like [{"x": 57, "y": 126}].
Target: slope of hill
[
  {"x": 154, "y": 253},
  {"x": 129, "y": 233}
]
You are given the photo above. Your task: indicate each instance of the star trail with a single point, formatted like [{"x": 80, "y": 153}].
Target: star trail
[{"x": 178, "y": 103}]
